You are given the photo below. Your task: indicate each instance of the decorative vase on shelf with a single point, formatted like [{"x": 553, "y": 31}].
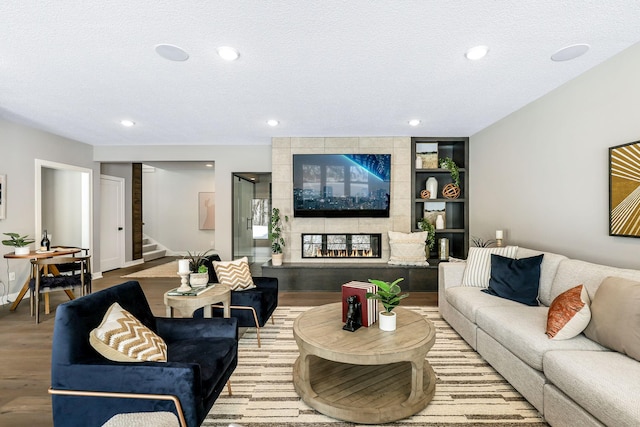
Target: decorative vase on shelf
[
  {"x": 439, "y": 223},
  {"x": 432, "y": 187},
  {"x": 443, "y": 249},
  {"x": 418, "y": 162}
]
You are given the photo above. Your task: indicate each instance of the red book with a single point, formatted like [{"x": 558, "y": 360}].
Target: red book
[{"x": 368, "y": 307}]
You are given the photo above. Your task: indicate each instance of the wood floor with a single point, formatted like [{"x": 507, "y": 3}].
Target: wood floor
[{"x": 25, "y": 348}]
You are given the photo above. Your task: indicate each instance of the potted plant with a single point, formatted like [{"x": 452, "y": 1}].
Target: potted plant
[
  {"x": 20, "y": 243},
  {"x": 451, "y": 190},
  {"x": 275, "y": 235},
  {"x": 479, "y": 242},
  {"x": 197, "y": 265},
  {"x": 389, "y": 294},
  {"x": 425, "y": 225}
]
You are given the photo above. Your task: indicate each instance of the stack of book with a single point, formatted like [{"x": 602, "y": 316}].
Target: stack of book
[
  {"x": 368, "y": 307},
  {"x": 194, "y": 292}
]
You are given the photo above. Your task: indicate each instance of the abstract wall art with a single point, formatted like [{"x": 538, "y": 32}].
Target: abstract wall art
[{"x": 624, "y": 190}]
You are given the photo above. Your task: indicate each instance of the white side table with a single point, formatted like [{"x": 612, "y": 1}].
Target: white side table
[{"x": 187, "y": 304}]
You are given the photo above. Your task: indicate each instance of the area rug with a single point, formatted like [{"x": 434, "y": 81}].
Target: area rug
[
  {"x": 169, "y": 269},
  {"x": 469, "y": 392}
]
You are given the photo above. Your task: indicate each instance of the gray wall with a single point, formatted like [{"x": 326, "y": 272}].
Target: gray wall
[
  {"x": 541, "y": 173},
  {"x": 19, "y": 147}
]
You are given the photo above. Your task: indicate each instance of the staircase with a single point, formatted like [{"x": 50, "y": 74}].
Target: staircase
[{"x": 151, "y": 251}]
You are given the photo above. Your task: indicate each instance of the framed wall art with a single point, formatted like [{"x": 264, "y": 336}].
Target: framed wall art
[
  {"x": 3, "y": 196},
  {"x": 624, "y": 190},
  {"x": 206, "y": 211}
]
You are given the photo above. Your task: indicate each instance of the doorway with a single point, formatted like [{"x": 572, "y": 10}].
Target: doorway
[
  {"x": 64, "y": 203},
  {"x": 251, "y": 196}
]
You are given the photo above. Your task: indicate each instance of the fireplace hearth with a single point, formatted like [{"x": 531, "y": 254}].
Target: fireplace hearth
[{"x": 341, "y": 245}]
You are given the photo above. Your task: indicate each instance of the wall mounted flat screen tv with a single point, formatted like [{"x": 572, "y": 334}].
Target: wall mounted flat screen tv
[{"x": 341, "y": 185}]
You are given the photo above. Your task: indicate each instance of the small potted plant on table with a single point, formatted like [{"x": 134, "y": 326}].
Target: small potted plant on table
[
  {"x": 199, "y": 271},
  {"x": 20, "y": 243},
  {"x": 275, "y": 235},
  {"x": 389, "y": 295}
]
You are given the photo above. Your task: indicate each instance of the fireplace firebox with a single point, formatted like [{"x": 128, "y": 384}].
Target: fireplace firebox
[{"x": 344, "y": 245}]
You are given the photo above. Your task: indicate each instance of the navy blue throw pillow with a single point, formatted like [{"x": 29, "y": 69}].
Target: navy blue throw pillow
[{"x": 515, "y": 279}]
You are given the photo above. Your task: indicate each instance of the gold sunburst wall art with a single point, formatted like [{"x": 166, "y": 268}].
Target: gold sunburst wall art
[{"x": 624, "y": 190}]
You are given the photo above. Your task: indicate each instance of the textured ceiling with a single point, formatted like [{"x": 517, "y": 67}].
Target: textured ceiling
[{"x": 323, "y": 68}]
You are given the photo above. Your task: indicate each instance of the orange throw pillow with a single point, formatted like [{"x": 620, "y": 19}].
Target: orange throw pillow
[{"x": 569, "y": 314}]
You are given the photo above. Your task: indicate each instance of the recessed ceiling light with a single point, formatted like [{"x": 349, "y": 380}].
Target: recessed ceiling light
[
  {"x": 570, "y": 52},
  {"x": 228, "y": 53},
  {"x": 414, "y": 122},
  {"x": 209, "y": 165},
  {"x": 127, "y": 123},
  {"x": 477, "y": 52},
  {"x": 171, "y": 52},
  {"x": 273, "y": 122}
]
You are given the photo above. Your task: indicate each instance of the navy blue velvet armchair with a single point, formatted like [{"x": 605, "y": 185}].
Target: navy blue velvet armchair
[
  {"x": 252, "y": 307},
  {"x": 202, "y": 354}
]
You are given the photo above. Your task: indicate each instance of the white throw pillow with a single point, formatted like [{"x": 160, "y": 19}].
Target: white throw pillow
[
  {"x": 122, "y": 338},
  {"x": 235, "y": 273},
  {"x": 478, "y": 269},
  {"x": 408, "y": 248}
]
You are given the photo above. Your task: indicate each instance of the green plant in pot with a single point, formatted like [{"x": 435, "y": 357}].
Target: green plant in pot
[
  {"x": 197, "y": 265},
  {"x": 425, "y": 225},
  {"x": 389, "y": 295},
  {"x": 275, "y": 236},
  {"x": 20, "y": 243},
  {"x": 451, "y": 190}
]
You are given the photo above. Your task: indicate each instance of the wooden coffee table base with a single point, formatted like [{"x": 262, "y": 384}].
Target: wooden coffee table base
[
  {"x": 368, "y": 376},
  {"x": 366, "y": 394}
]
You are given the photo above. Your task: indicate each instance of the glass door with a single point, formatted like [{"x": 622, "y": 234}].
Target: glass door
[
  {"x": 243, "y": 195},
  {"x": 251, "y": 207}
]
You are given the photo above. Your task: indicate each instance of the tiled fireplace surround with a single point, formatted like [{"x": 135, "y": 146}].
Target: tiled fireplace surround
[{"x": 282, "y": 192}]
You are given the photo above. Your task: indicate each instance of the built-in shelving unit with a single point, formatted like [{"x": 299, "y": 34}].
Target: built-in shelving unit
[{"x": 454, "y": 211}]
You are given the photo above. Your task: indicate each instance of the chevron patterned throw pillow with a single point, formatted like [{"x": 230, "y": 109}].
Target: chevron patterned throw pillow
[
  {"x": 235, "y": 273},
  {"x": 122, "y": 338}
]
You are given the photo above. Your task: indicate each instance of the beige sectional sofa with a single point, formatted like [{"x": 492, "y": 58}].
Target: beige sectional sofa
[{"x": 573, "y": 382}]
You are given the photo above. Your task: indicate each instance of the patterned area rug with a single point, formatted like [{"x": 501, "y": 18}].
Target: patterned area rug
[
  {"x": 169, "y": 269},
  {"x": 468, "y": 391}
]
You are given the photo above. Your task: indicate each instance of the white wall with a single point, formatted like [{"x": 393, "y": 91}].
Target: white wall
[
  {"x": 541, "y": 173},
  {"x": 227, "y": 159},
  {"x": 170, "y": 205},
  {"x": 19, "y": 147},
  {"x": 62, "y": 207}
]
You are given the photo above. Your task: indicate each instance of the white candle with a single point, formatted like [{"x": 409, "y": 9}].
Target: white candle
[
  {"x": 499, "y": 234},
  {"x": 183, "y": 266}
]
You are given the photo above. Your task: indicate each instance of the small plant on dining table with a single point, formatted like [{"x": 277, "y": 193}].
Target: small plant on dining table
[
  {"x": 17, "y": 240},
  {"x": 389, "y": 294}
]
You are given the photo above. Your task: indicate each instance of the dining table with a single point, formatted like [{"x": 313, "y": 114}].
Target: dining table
[{"x": 38, "y": 254}]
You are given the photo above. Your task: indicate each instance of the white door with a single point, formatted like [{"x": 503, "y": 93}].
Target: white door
[{"x": 111, "y": 222}]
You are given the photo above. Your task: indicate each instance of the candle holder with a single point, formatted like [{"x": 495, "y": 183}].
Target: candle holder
[{"x": 184, "y": 280}]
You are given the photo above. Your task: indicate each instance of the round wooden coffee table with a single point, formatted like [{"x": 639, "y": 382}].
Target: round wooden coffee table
[{"x": 368, "y": 376}]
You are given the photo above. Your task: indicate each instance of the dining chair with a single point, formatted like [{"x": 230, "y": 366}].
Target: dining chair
[{"x": 46, "y": 278}]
